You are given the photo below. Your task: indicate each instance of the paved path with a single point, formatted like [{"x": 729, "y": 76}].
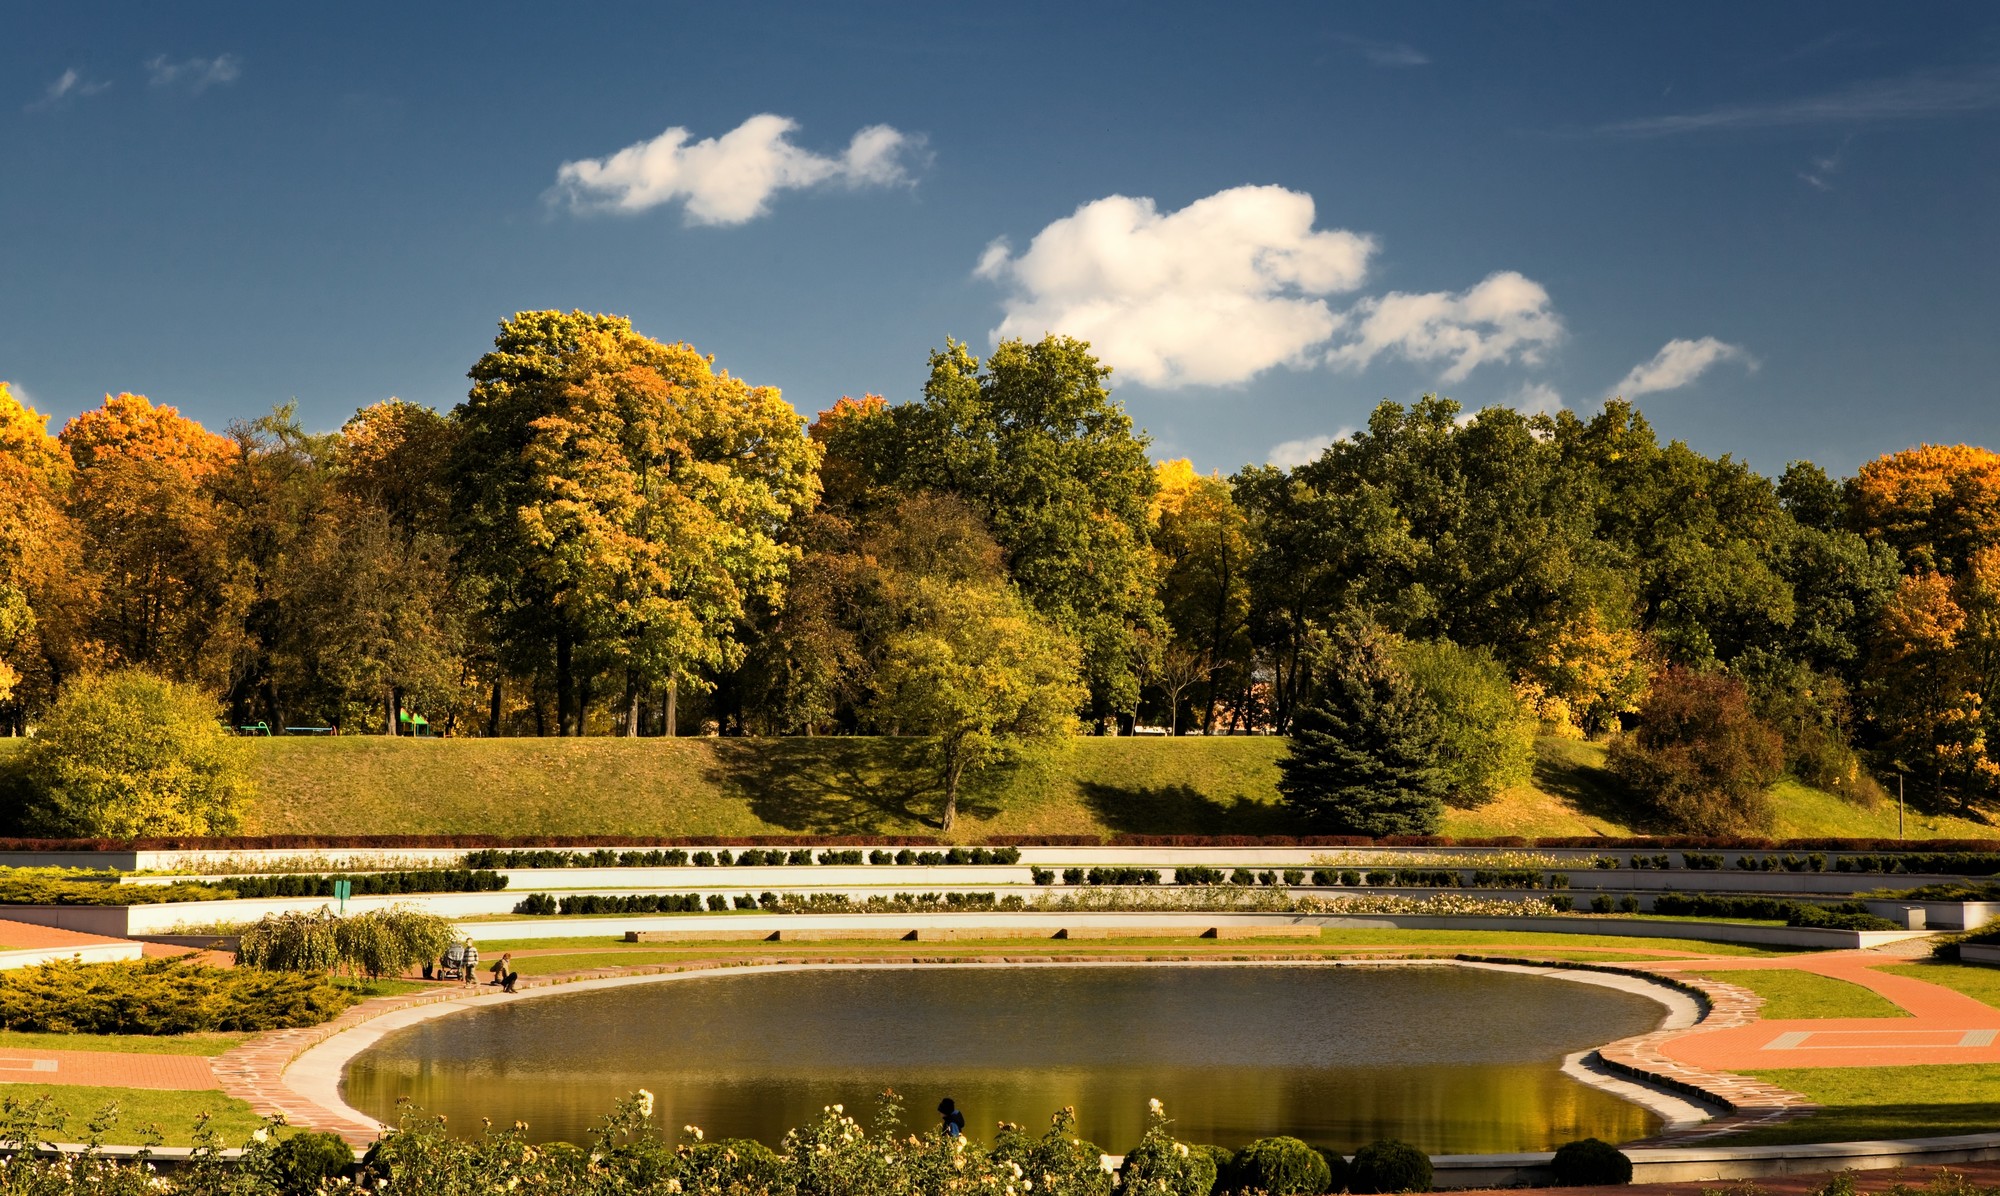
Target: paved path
[
  {"x": 23, "y": 935},
  {"x": 1983, "y": 1174},
  {"x": 109, "y": 1069},
  {"x": 1944, "y": 1026}
]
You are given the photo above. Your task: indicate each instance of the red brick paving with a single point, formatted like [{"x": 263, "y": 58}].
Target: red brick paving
[
  {"x": 21, "y": 936},
  {"x": 109, "y": 1069}
]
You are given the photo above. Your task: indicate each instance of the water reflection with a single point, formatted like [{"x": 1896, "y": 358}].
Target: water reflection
[{"x": 1450, "y": 1059}]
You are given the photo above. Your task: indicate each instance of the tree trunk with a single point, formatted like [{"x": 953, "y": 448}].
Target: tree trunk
[
  {"x": 952, "y": 770},
  {"x": 389, "y": 712},
  {"x": 565, "y": 688},
  {"x": 631, "y": 704},
  {"x": 583, "y": 697},
  {"x": 673, "y": 707},
  {"x": 493, "y": 713}
]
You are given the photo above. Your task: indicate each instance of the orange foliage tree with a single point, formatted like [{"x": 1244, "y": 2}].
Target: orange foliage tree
[{"x": 1935, "y": 504}]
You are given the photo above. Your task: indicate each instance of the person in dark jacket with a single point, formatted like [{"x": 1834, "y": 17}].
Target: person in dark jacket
[{"x": 954, "y": 1121}]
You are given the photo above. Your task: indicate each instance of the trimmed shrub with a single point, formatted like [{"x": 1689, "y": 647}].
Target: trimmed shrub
[
  {"x": 364, "y": 884},
  {"x": 1336, "y": 1169},
  {"x": 1279, "y": 1166},
  {"x": 1197, "y": 874},
  {"x": 1590, "y": 1163},
  {"x": 162, "y": 996},
  {"x": 125, "y": 754},
  {"x": 1389, "y": 1166},
  {"x": 303, "y": 1161}
]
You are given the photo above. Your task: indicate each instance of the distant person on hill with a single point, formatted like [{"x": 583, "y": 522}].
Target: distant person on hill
[{"x": 954, "y": 1121}]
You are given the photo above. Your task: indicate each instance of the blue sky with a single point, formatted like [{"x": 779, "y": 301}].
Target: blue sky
[{"x": 1779, "y": 224}]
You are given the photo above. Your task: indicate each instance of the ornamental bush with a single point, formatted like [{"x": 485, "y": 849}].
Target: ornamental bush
[
  {"x": 1389, "y": 1166},
  {"x": 1590, "y": 1163},
  {"x": 162, "y": 996},
  {"x": 377, "y": 943},
  {"x": 1160, "y": 1164},
  {"x": 1278, "y": 1166},
  {"x": 302, "y": 1162},
  {"x": 126, "y": 754},
  {"x": 1058, "y": 1163}
]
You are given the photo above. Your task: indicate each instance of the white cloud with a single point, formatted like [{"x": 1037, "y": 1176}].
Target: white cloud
[
  {"x": 1215, "y": 293},
  {"x": 1882, "y": 101},
  {"x": 1381, "y": 53},
  {"x": 69, "y": 84},
  {"x": 195, "y": 74},
  {"x": 1304, "y": 451},
  {"x": 1505, "y": 318},
  {"x": 1678, "y": 363},
  {"x": 730, "y": 179},
  {"x": 1535, "y": 398}
]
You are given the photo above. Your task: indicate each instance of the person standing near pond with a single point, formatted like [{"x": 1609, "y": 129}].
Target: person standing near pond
[
  {"x": 954, "y": 1121},
  {"x": 469, "y": 961}
]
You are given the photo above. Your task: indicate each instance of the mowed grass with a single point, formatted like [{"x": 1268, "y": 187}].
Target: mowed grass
[
  {"x": 1981, "y": 984},
  {"x": 1866, "y": 1103},
  {"x": 124, "y": 1044},
  {"x": 170, "y": 1112},
  {"x": 862, "y": 785},
  {"x": 1791, "y": 995}
]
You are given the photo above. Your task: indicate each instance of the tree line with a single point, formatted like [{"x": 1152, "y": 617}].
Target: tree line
[{"x": 611, "y": 535}]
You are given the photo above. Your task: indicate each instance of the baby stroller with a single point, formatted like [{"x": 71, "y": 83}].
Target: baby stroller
[{"x": 453, "y": 965}]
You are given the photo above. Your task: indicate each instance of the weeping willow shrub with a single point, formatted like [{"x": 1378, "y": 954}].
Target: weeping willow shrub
[{"x": 377, "y": 943}]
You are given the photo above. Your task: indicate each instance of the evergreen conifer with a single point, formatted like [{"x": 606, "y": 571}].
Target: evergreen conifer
[{"x": 1364, "y": 757}]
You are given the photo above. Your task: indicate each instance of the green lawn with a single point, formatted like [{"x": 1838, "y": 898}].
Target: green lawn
[
  {"x": 1864, "y": 1103},
  {"x": 1788, "y": 995},
  {"x": 865, "y": 785},
  {"x": 1981, "y": 984},
  {"x": 147, "y": 1044},
  {"x": 171, "y": 1111}
]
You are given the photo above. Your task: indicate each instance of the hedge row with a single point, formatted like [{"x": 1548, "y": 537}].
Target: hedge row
[
  {"x": 749, "y": 857},
  {"x": 1848, "y": 915},
  {"x": 365, "y": 884}
]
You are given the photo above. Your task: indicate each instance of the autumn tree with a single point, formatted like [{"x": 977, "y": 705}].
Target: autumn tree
[
  {"x": 1699, "y": 761},
  {"x": 622, "y": 501},
  {"x": 1935, "y": 504},
  {"x": 1488, "y": 733},
  {"x": 155, "y": 545},
  {"x": 36, "y": 541},
  {"x": 1033, "y": 440},
  {"x": 1201, "y": 545},
  {"x": 973, "y": 669}
]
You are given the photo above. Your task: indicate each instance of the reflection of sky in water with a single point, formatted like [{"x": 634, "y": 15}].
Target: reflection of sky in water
[{"x": 1451, "y": 1059}]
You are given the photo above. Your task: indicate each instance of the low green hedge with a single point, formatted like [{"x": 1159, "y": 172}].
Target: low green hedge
[
  {"x": 162, "y": 996},
  {"x": 1847, "y": 915},
  {"x": 49, "y": 886},
  {"x": 365, "y": 884}
]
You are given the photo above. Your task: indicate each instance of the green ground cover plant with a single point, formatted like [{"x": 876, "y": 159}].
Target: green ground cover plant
[
  {"x": 1791, "y": 994},
  {"x": 162, "y": 996},
  {"x": 1866, "y": 1103}
]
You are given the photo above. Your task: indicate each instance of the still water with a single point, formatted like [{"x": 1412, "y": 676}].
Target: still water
[{"x": 1451, "y": 1059}]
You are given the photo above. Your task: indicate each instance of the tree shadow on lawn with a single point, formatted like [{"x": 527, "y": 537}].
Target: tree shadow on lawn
[
  {"x": 1183, "y": 810},
  {"x": 1592, "y": 791},
  {"x": 848, "y": 785}
]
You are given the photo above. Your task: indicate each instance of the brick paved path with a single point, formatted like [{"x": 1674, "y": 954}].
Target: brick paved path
[
  {"x": 110, "y": 1069},
  {"x": 1944, "y": 1026}
]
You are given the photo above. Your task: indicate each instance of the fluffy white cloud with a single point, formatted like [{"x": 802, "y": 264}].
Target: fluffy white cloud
[
  {"x": 1535, "y": 398},
  {"x": 730, "y": 179},
  {"x": 69, "y": 84},
  {"x": 1678, "y": 363},
  {"x": 1215, "y": 293},
  {"x": 1505, "y": 318},
  {"x": 1303, "y": 451},
  {"x": 196, "y": 74}
]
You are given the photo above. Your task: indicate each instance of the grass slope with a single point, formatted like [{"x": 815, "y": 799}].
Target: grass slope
[{"x": 858, "y": 785}]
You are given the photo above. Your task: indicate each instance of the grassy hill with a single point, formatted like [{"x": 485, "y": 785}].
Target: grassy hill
[{"x": 368, "y": 785}]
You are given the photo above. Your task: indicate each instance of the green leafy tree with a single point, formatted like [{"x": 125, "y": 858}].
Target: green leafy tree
[
  {"x": 974, "y": 668},
  {"x": 1032, "y": 439},
  {"x": 624, "y": 502},
  {"x": 1700, "y": 760},
  {"x": 1489, "y": 737},
  {"x": 127, "y": 754},
  {"x": 1365, "y": 755},
  {"x": 1201, "y": 542}
]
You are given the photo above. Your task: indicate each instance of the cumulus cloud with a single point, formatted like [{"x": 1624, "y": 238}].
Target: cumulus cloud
[
  {"x": 1505, "y": 318},
  {"x": 730, "y": 179},
  {"x": 195, "y": 74},
  {"x": 1212, "y": 294},
  {"x": 1293, "y": 453},
  {"x": 1678, "y": 363},
  {"x": 1535, "y": 398},
  {"x": 68, "y": 85}
]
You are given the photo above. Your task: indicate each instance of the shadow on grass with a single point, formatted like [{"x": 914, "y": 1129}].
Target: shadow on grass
[
  {"x": 848, "y": 785},
  {"x": 1182, "y": 810},
  {"x": 1591, "y": 790}
]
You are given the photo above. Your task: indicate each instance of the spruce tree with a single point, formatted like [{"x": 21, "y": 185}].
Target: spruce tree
[{"x": 1365, "y": 752}]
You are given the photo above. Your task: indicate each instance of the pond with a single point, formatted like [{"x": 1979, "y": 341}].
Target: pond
[{"x": 1455, "y": 1060}]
